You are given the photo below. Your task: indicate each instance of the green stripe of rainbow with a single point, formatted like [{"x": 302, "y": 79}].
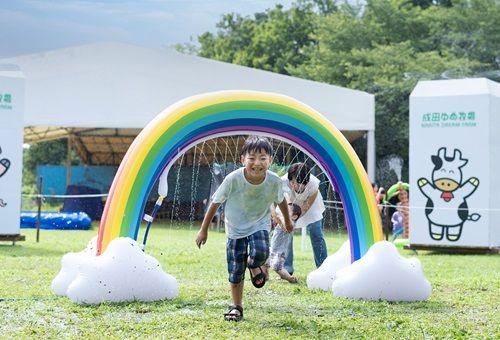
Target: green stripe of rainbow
[{"x": 198, "y": 118}]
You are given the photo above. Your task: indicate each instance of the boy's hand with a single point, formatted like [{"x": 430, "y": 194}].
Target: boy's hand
[{"x": 201, "y": 239}]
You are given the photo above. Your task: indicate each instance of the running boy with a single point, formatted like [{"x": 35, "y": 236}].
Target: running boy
[{"x": 248, "y": 193}]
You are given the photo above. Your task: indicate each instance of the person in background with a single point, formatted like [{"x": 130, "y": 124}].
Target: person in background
[
  {"x": 397, "y": 223},
  {"x": 280, "y": 241},
  {"x": 380, "y": 198},
  {"x": 384, "y": 218},
  {"x": 303, "y": 190}
]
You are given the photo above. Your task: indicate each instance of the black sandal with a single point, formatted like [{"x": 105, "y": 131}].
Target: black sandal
[
  {"x": 231, "y": 316},
  {"x": 259, "y": 277}
]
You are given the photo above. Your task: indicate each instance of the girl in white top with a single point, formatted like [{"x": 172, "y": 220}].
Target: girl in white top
[{"x": 303, "y": 190}]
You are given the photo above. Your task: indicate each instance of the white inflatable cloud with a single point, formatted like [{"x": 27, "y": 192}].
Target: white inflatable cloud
[
  {"x": 383, "y": 274},
  {"x": 69, "y": 267},
  {"x": 322, "y": 277},
  {"x": 122, "y": 273}
]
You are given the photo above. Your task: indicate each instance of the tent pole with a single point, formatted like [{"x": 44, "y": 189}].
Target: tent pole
[
  {"x": 68, "y": 162},
  {"x": 39, "y": 205},
  {"x": 370, "y": 154}
]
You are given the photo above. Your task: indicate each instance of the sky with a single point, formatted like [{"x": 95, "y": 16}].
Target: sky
[{"x": 31, "y": 26}]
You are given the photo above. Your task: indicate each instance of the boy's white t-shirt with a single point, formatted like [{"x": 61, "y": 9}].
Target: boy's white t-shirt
[
  {"x": 247, "y": 205},
  {"x": 315, "y": 212}
]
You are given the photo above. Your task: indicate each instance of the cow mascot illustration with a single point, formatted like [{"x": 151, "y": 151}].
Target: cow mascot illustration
[
  {"x": 446, "y": 207},
  {"x": 4, "y": 165}
]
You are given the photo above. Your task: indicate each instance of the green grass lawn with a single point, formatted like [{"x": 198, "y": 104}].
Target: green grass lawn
[{"x": 464, "y": 303}]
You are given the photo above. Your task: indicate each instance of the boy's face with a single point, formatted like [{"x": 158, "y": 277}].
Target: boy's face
[
  {"x": 256, "y": 163},
  {"x": 298, "y": 188}
]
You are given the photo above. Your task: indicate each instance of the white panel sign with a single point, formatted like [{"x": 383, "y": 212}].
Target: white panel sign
[
  {"x": 11, "y": 141},
  {"x": 450, "y": 173}
]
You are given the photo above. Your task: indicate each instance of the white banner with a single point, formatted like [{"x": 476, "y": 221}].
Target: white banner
[
  {"x": 450, "y": 157},
  {"x": 11, "y": 152}
]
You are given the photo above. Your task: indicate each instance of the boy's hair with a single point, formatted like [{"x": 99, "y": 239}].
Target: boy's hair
[
  {"x": 299, "y": 171},
  {"x": 255, "y": 144},
  {"x": 296, "y": 210}
]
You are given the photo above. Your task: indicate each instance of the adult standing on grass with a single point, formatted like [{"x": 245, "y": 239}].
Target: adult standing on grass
[
  {"x": 248, "y": 193},
  {"x": 303, "y": 188}
]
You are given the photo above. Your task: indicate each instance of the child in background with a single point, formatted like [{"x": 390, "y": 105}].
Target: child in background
[
  {"x": 248, "y": 193},
  {"x": 397, "y": 223},
  {"x": 279, "y": 243}
]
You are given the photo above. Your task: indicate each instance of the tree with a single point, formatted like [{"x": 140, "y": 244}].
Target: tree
[
  {"x": 50, "y": 152},
  {"x": 387, "y": 46},
  {"x": 383, "y": 47},
  {"x": 273, "y": 40}
]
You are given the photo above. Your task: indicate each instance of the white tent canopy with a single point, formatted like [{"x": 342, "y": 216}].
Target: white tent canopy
[{"x": 115, "y": 85}]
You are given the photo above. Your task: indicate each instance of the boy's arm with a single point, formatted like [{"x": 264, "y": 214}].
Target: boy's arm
[
  {"x": 202, "y": 236},
  {"x": 284, "y": 210}
]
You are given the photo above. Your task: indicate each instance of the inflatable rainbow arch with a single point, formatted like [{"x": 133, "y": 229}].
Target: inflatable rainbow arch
[{"x": 198, "y": 118}]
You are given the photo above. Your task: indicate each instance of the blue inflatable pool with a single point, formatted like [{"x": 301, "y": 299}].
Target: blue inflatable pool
[{"x": 54, "y": 220}]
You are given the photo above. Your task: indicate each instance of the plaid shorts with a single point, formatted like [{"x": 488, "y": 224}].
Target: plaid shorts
[{"x": 238, "y": 257}]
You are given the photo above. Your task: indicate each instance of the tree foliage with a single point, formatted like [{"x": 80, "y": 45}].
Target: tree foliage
[
  {"x": 272, "y": 40},
  {"x": 383, "y": 47},
  {"x": 387, "y": 46}
]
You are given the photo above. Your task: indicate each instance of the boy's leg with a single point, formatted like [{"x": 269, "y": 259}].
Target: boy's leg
[
  {"x": 286, "y": 276},
  {"x": 318, "y": 242},
  {"x": 237, "y": 293},
  {"x": 282, "y": 272},
  {"x": 289, "y": 256},
  {"x": 259, "y": 251},
  {"x": 236, "y": 253}
]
